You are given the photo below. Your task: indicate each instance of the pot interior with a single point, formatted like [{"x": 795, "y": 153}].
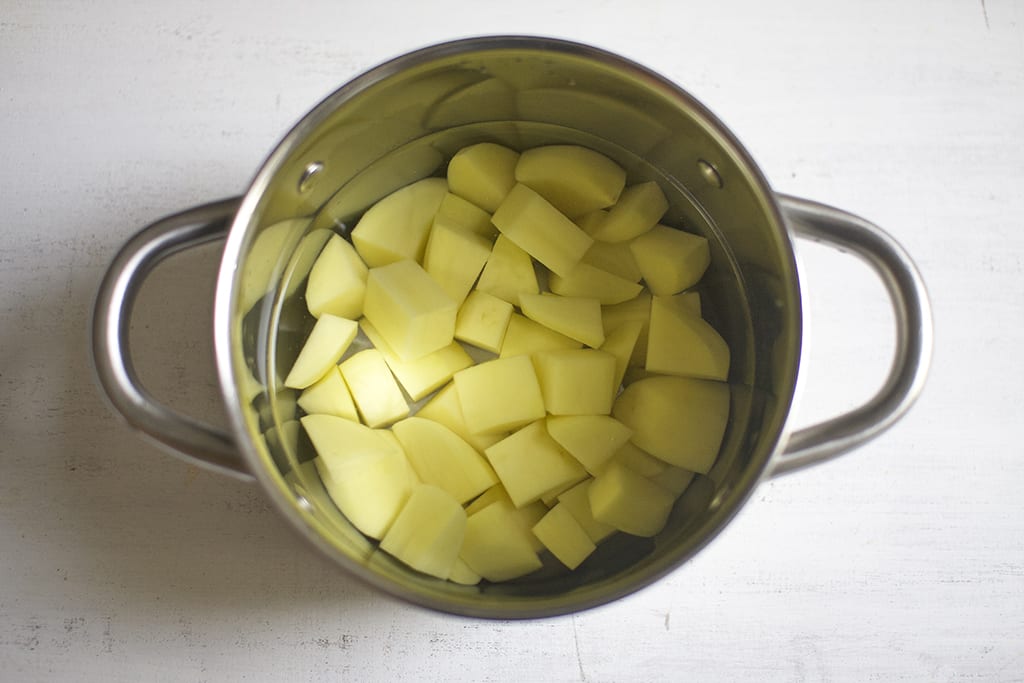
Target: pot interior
[{"x": 403, "y": 121}]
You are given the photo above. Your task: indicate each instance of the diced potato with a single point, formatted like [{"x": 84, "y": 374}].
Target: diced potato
[
  {"x": 483, "y": 320},
  {"x": 575, "y": 382},
  {"x": 409, "y": 309},
  {"x": 588, "y": 222},
  {"x": 639, "y": 209},
  {"x": 329, "y": 396},
  {"x": 428, "y": 533},
  {"x": 541, "y": 230},
  {"x": 524, "y": 336},
  {"x": 677, "y": 419},
  {"x": 457, "y": 210},
  {"x": 440, "y": 457},
  {"x": 564, "y": 537},
  {"x": 454, "y": 258},
  {"x": 527, "y": 515},
  {"x": 682, "y": 343},
  {"x": 462, "y": 574},
  {"x": 574, "y": 179},
  {"x": 337, "y": 281},
  {"x": 324, "y": 347},
  {"x": 620, "y": 342},
  {"x": 374, "y": 390},
  {"x": 508, "y": 272},
  {"x": 366, "y": 475},
  {"x": 671, "y": 260},
  {"x": 674, "y": 479},
  {"x": 638, "y": 309},
  {"x": 396, "y": 227},
  {"x": 444, "y": 408},
  {"x": 591, "y": 439},
  {"x": 577, "y": 501},
  {"x": 499, "y": 395},
  {"x": 425, "y": 374},
  {"x": 614, "y": 257},
  {"x": 634, "y": 458},
  {"x": 483, "y": 174},
  {"x": 621, "y": 498},
  {"x": 576, "y": 317},
  {"x": 586, "y": 280},
  {"x": 529, "y": 463},
  {"x": 496, "y": 546}
]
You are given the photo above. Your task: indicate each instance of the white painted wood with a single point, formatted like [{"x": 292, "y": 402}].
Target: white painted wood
[{"x": 902, "y": 562}]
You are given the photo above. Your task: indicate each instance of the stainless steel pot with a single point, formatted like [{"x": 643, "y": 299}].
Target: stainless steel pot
[{"x": 401, "y": 121}]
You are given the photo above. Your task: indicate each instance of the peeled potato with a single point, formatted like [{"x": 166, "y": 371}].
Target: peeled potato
[{"x": 574, "y": 179}]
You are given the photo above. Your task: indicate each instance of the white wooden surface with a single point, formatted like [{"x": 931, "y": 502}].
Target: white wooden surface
[{"x": 902, "y": 562}]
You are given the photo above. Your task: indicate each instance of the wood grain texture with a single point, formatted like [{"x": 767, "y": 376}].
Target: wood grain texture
[{"x": 902, "y": 562}]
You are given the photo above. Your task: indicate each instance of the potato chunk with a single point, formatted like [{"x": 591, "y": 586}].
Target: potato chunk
[
  {"x": 443, "y": 459},
  {"x": 639, "y": 209},
  {"x": 454, "y": 258},
  {"x": 409, "y": 309},
  {"x": 576, "y": 317},
  {"x": 423, "y": 375},
  {"x": 508, "y": 272},
  {"x": 591, "y": 439},
  {"x": 428, "y": 533},
  {"x": 374, "y": 389},
  {"x": 576, "y": 382},
  {"x": 396, "y": 227},
  {"x": 524, "y": 337},
  {"x": 445, "y": 409},
  {"x": 483, "y": 320},
  {"x": 529, "y": 463},
  {"x": 671, "y": 260},
  {"x": 499, "y": 395},
  {"x": 324, "y": 347},
  {"x": 496, "y": 545},
  {"x": 577, "y": 501},
  {"x": 586, "y": 280},
  {"x": 574, "y": 179},
  {"x": 337, "y": 281},
  {"x": 682, "y": 343},
  {"x": 483, "y": 174},
  {"x": 564, "y": 537},
  {"x": 455, "y": 209},
  {"x": 621, "y": 498},
  {"x": 329, "y": 396}
]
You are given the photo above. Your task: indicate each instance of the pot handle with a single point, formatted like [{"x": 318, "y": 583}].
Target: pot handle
[
  {"x": 197, "y": 442},
  {"x": 914, "y": 335}
]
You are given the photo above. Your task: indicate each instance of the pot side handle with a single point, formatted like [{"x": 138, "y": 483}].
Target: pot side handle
[
  {"x": 914, "y": 335},
  {"x": 197, "y": 442}
]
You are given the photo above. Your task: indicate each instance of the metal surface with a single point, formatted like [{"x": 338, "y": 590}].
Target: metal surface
[
  {"x": 914, "y": 337},
  {"x": 197, "y": 442}
]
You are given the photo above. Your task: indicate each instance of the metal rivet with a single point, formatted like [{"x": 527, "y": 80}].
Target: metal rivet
[
  {"x": 308, "y": 177},
  {"x": 709, "y": 173}
]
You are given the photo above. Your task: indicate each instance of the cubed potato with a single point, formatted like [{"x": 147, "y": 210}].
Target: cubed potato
[
  {"x": 639, "y": 209},
  {"x": 444, "y": 408},
  {"x": 589, "y": 222},
  {"x": 337, "y": 281},
  {"x": 483, "y": 174},
  {"x": 614, "y": 257},
  {"x": 631, "y": 456},
  {"x": 563, "y": 536},
  {"x": 397, "y": 226},
  {"x": 409, "y": 309},
  {"x": 529, "y": 463},
  {"x": 577, "y": 501},
  {"x": 574, "y": 179},
  {"x": 425, "y": 374},
  {"x": 527, "y": 515},
  {"x": 680, "y": 420},
  {"x": 508, "y": 272},
  {"x": 428, "y": 533},
  {"x": 440, "y": 457},
  {"x": 638, "y": 309},
  {"x": 576, "y": 317},
  {"x": 483, "y": 320},
  {"x": 454, "y": 258},
  {"x": 324, "y": 347},
  {"x": 620, "y": 342},
  {"x": 541, "y": 230},
  {"x": 682, "y": 343},
  {"x": 376, "y": 393},
  {"x": 671, "y": 260},
  {"x": 575, "y": 382},
  {"x": 591, "y": 439},
  {"x": 524, "y": 336},
  {"x": 496, "y": 546},
  {"x": 329, "y": 396},
  {"x": 621, "y": 498},
  {"x": 457, "y": 210},
  {"x": 586, "y": 280},
  {"x": 499, "y": 395}
]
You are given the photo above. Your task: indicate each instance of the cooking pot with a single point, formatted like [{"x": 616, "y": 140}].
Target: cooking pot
[{"x": 402, "y": 121}]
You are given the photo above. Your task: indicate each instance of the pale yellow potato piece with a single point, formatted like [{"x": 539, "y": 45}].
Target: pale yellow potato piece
[
  {"x": 374, "y": 390},
  {"x": 440, "y": 457},
  {"x": 576, "y": 382},
  {"x": 620, "y": 342},
  {"x": 591, "y": 439},
  {"x": 671, "y": 260},
  {"x": 329, "y": 396},
  {"x": 680, "y": 420},
  {"x": 527, "y": 515},
  {"x": 674, "y": 479},
  {"x": 686, "y": 301},
  {"x": 638, "y": 309},
  {"x": 499, "y": 395},
  {"x": 614, "y": 257},
  {"x": 682, "y": 343},
  {"x": 639, "y": 209},
  {"x": 541, "y": 230},
  {"x": 524, "y": 336},
  {"x": 577, "y": 501},
  {"x": 574, "y": 179},
  {"x": 326, "y": 344},
  {"x": 508, "y": 272},
  {"x": 621, "y": 498},
  {"x": 462, "y": 212},
  {"x": 428, "y": 533},
  {"x": 444, "y": 408},
  {"x": 496, "y": 546},
  {"x": 530, "y": 463},
  {"x": 483, "y": 320},
  {"x": 337, "y": 281},
  {"x": 409, "y": 309},
  {"x": 589, "y": 222},
  {"x": 454, "y": 258},
  {"x": 636, "y": 459},
  {"x": 462, "y": 574},
  {"x": 576, "y": 317},
  {"x": 483, "y": 174},
  {"x": 396, "y": 227},
  {"x": 587, "y": 280},
  {"x": 563, "y": 536},
  {"x": 425, "y": 374}
]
